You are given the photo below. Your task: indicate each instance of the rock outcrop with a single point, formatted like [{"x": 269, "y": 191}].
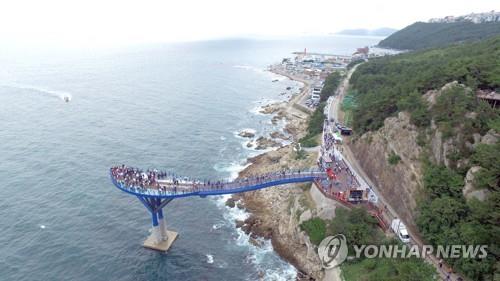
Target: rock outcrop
[
  {"x": 247, "y": 133},
  {"x": 469, "y": 191},
  {"x": 264, "y": 143},
  {"x": 276, "y": 213},
  {"x": 400, "y": 184},
  {"x": 270, "y": 108},
  {"x": 491, "y": 137}
]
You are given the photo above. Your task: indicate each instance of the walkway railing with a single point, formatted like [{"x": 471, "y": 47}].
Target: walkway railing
[{"x": 170, "y": 188}]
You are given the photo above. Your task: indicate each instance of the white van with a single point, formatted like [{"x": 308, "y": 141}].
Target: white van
[{"x": 400, "y": 229}]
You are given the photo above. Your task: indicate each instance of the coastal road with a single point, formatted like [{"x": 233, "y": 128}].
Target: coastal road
[{"x": 335, "y": 112}]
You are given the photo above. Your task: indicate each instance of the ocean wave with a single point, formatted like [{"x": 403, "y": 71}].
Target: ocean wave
[
  {"x": 263, "y": 102},
  {"x": 217, "y": 226},
  {"x": 232, "y": 214},
  {"x": 263, "y": 258},
  {"x": 256, "y": 110},
  {"x": 233, "y": 169}
]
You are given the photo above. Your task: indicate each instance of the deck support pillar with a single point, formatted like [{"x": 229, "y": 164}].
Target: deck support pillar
[
  {"x": 163, "y": 226},
  {"x": 156, "y": 229},
  {"x": 160, "y": 238}
]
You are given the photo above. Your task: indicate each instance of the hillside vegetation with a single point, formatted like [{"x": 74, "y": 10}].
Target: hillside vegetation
[
  {"x": 391, "y": 84},
  {"x": 422, "y": 35},
  {"x": 448, "y": 117},
  {"x": 360, "y": 228}
]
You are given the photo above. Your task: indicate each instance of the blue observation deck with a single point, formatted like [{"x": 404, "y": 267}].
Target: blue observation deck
[{"x": 156, "y": 189}]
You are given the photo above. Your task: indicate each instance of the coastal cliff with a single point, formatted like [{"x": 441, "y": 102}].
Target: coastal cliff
[
  {"x": 400, "y": 184},
  {"x": 393, "y": 156},
  {"x": 439, "y": 174}
]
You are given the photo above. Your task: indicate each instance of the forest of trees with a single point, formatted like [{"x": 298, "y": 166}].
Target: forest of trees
[
  {"x": 391, "y": 84},
  {"x": 423, "y": 35},
  {"x": 388, "y": 85},
  {"x": 360, "y": 228}
]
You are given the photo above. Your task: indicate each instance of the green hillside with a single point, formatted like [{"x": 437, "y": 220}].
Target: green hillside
[
  {"x": 422, "y": 35},
  {"x": 390, "y": 84},
  {"x": 385, "y": 86}
]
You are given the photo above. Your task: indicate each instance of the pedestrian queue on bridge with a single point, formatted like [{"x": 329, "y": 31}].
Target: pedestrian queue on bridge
[{"x": 155, "y": 182}]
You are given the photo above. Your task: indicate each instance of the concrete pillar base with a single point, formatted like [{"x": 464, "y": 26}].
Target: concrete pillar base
[
  {"x": 151, "y": 241},
  {"x": 163, "y": 230}
]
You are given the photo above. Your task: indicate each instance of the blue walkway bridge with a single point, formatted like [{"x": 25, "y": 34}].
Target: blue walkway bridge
[{"x": 156, "y": 189}]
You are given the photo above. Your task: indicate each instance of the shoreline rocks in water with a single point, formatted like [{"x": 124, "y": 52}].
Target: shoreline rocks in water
[
  {"x": 230, "y": 202},
  {"x": 279, "y": 135},
  {"x": 273, "y": 210},
  {"x": 247, "y": 133},
  {"x": 270, "y": 108},
  {"x": 264, "y": 143}
]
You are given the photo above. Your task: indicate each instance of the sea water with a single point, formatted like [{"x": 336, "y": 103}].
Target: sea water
[{"x": 175, "y": 107}]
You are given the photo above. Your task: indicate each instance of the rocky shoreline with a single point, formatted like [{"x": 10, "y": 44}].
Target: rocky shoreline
[{"x": 276, "y": 213}]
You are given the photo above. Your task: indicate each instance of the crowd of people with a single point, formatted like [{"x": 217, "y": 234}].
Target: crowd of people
[
  {"x": 156, "y": 182},
  {"x": 331, "y": 160},
  {"x": 135, "y": 178},
  {"x": 163, "y": 183}
]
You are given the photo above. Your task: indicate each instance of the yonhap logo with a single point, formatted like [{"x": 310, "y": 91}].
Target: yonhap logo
[{"x": 332, "y": 251}]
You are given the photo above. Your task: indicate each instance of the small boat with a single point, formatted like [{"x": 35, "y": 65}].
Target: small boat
[
  {"x": 288, "y": 88},
  {"x": 66, "y": 98},
  {"x": 275, "y": 80}
]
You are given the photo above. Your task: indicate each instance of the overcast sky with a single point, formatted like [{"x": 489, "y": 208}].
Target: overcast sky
[{"x": 94, "y": 23}]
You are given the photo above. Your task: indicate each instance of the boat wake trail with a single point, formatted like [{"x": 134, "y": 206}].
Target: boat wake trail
[{"x": 65, "y": 96}]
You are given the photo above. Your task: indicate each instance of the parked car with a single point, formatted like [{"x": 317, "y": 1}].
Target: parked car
[{"x": 400, "y": 230}]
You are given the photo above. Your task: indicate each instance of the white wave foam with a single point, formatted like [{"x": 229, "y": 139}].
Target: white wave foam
[
  {"x": 222, "y": 138},
  {"x": 42, "y": 226},
  {"x": 232, "y": 214},
  {"x": 262, "y": 258},
  {"x": 256, "y": 110},
  {"x": 233, "y": 169},
  {"x": 288, "y": 273},
  {"x": 48, "y": 92},
  {"x": 217, "y": 226},
  {"x": 259, "y": 256}
]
